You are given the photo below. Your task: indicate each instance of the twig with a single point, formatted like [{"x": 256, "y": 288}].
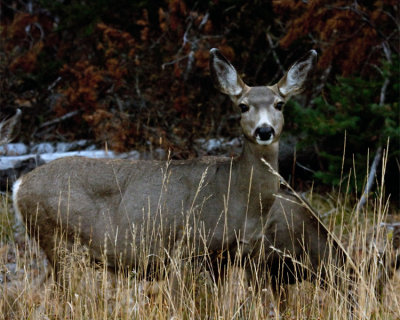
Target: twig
[
  {"x": 189, "y": 65},
  {"x": 60, "y": 119},
  {"x": 275, "y": 55},
  {"x": 173, "y": 61},
  {"x": 304, "y": 167},
  {"x": 138, "y": 92},
  {"x": 204, "y": 20},
  {"x": 371, "y": 179},
  {"x": 322, "y": 81},
  {"x": 383, "y": 92}
]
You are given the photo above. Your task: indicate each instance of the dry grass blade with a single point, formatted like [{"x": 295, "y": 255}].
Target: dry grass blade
[{"x": 338, "y": 242}]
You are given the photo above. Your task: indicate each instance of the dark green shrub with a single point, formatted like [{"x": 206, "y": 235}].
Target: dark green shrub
[{"x": 351, "y": 107}]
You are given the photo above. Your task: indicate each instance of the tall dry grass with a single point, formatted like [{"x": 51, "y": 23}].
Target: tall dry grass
[{"x": 87, "y": 290}]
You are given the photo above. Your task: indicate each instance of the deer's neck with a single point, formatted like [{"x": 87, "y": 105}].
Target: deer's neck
[{"x": 249, "y": 166}]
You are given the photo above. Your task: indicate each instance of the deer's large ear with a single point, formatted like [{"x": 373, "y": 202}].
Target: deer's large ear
[
  {"x": 224, "y": 75},
  {"x": 9, "y": 128},
  {"x": 293, "y": 81}
]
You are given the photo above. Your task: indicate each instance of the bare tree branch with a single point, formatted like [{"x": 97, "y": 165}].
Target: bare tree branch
[
  {"x": 371, "y": 179},
  {"x": 60, "y": 119},
  {"x": 378, "y": 154}
]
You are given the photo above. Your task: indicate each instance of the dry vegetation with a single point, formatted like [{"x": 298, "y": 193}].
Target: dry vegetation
[
  {"x": 71, "y": 63},
  {"x": 90, "y": 291}
]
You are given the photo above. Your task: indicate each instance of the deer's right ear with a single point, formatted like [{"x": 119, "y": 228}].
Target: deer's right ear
[{"x": 224, "y": 75}]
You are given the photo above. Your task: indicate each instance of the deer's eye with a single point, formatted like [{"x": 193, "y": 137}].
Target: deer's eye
[
  {"x": 243, "y": 107},
  {"x": 279, "y": 105}
]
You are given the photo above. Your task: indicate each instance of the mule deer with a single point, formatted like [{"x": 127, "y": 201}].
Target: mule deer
[
  {"x": 115, "y": 206},
  {"x": 9, "y": 128}
]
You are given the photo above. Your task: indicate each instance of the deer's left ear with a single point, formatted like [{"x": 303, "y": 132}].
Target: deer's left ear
[{"x": 293, "y": 81}]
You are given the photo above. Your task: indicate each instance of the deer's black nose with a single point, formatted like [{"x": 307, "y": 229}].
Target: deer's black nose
[{"x": 264, "y": 133}]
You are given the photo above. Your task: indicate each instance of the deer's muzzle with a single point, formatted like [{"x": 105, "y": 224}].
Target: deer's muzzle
[{"x": 264, "y": 135}]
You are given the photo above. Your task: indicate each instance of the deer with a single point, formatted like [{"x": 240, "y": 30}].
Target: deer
[
  {"x": 198, "y": 207},
  {"x": 111, "y": 203},
  {"x": 214, "y": 203}
]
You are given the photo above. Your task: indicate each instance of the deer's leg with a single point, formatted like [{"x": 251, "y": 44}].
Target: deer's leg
[
  {"x": 280, "y": 293},
  {"x": 177, "y": 289}
]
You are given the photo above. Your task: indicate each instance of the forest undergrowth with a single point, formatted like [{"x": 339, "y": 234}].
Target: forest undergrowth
[{"x": 86, "y": 290}]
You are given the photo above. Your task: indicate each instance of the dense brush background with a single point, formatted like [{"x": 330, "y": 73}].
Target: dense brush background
[{"x": 133, "y": 75}]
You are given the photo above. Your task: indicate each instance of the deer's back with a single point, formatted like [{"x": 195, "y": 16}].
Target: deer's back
[{"x": 125, "y": 201}]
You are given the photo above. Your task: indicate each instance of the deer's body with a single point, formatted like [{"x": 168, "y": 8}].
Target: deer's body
[{"x": 119, "y": 200}]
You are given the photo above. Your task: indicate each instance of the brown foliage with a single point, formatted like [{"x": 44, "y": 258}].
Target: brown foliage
[
  {"x": 348, "y": 33},
  {"x": 144, "y": 77},
  {"x": 23, "y": 40},
  {"x": 93, "y": 87},
  {"x": 96, "y": 82}
]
